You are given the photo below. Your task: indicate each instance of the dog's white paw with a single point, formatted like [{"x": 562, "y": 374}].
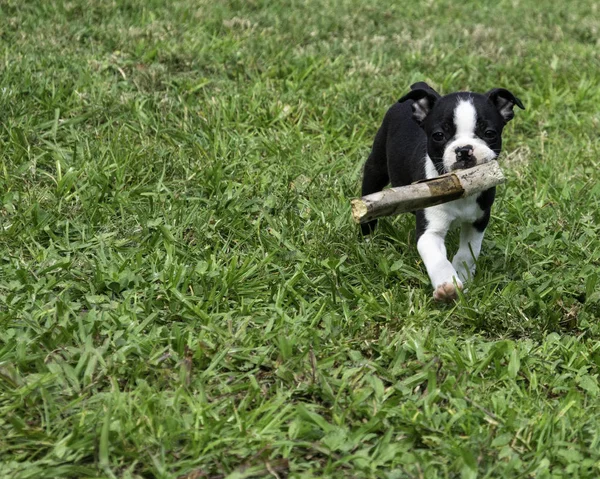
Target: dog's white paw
[
  {"x": 465, "y": 275},
  {"x": 465, "y": 269},
  {"x": 447, "y": 292}
]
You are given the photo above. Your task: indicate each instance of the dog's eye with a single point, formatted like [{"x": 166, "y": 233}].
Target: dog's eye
[
  {"x": 438, "y": 136},
  {"x": 490, "y": 134}
]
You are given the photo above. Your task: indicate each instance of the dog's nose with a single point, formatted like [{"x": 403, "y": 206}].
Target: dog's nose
[{"x": 464, "y": 152}]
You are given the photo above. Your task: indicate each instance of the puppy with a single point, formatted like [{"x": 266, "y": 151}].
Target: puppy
[{"x": 425, "y": 135}]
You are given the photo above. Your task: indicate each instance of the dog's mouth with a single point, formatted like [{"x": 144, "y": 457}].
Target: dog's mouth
[
  {"x": 464, "y": 164},
  {"x": 470, "y": 163}
]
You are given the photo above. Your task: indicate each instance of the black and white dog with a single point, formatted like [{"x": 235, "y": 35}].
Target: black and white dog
[{"x": 425, "y": 135}]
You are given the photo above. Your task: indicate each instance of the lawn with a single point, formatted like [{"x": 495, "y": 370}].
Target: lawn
[{"x": 183, "y": 293}]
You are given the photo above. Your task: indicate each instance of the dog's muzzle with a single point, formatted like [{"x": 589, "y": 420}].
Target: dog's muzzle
[{"x": 464, "y": 158}]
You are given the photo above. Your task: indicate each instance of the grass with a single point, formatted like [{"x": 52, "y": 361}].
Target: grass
[{"x": 183, "y": 294}]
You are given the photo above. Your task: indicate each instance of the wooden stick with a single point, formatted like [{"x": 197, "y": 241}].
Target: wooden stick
[{"x": 426, "y": 193}]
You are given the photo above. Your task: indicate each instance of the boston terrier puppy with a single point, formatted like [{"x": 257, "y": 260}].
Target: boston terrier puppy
[{"x": 425, "y": 135}]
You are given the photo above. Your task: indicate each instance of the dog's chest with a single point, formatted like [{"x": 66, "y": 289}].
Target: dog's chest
[{"x": 464, "y": 210}]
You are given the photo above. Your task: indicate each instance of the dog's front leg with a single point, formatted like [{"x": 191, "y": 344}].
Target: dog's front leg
[
  {"x": 442, "y": 274},
  {"x": 468, "y": 251}
]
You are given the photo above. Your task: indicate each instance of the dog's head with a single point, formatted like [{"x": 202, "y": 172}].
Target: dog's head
[{"x": 463, "y": 129}]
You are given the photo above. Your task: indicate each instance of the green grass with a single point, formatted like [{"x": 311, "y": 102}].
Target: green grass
[{"x": 184, "y": 295}]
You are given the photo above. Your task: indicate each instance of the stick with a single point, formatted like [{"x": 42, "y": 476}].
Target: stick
[{"x": 426, "y": 193}]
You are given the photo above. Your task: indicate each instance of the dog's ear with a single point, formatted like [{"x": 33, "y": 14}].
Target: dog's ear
[
  {"x": 504, "y": 101},
  {"x": 423, "y": 101},
  {"x": 421, "y": 85}
]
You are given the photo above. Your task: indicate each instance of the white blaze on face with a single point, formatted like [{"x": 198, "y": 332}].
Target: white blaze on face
[{"x": 465, "y": 121}]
